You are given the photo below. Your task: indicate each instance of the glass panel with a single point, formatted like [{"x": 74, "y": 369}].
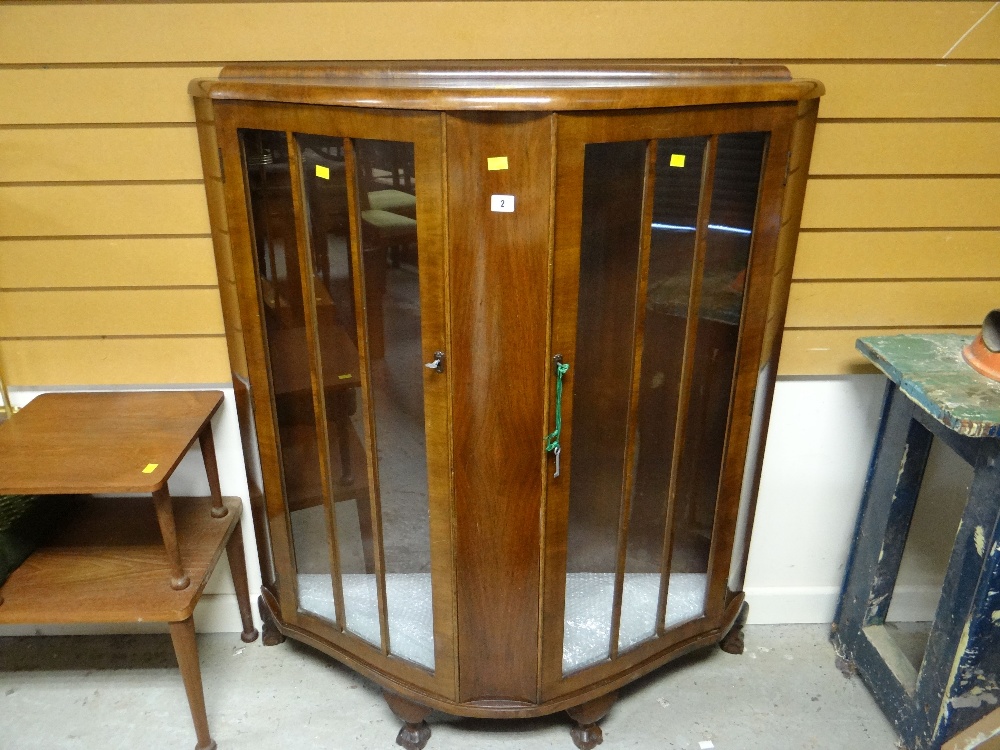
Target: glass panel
[
  {"x": 325, "y": 188},
  {"x": 601, "y": 376},
  {"x": 387, "y": 189},
  {"x": 273, "y": 218},
  {"x": 930, "y": 539},
  {"x": 734, "y": 204},
  {"x": 671, "y": 256}
]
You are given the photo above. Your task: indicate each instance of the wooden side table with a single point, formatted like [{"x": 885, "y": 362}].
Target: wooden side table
[
  {"x": 932, "y": 396},
  {"x": 123, "y": 559}
]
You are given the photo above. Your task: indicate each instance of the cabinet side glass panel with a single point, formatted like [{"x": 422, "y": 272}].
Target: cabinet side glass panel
[
  {"x": 349, "y": 520},
  {"x": 387, "y": 205},
  {"x": 601, "y": 376},
  {"x": 731, "y": 218},
  {"x": 272, "y": 214},
  {"x": 676, "y": 193}
]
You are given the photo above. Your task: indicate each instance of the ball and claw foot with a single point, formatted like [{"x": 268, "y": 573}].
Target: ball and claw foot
[
  {"x": 272, "y": 636},
  {"x": 414, "y": 733},
  {"x": 586, "y": 734},
  {"x": 732, "y": 643},
  {"x": 413, "y": 736}
]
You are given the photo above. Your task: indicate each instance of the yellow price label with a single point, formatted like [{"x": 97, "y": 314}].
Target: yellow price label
[
  {"x": 676, "y": 160},
  {"x": 496, "y": 163},
  {"x": 150, "y": 468},
  {"x": 322, "y": 171}
]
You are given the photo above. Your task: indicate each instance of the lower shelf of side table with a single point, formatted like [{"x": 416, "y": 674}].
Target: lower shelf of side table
[{"x": 107, "y": 563}]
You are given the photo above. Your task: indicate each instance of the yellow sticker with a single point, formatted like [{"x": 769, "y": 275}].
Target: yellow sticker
[
  {"x": 676, "y": 160},
  {"x": 150, "y": 468},
  {"x": 345, "y": 376},
  {"x": 496, "y": 163},
  {"x": 322, "y": 171}
]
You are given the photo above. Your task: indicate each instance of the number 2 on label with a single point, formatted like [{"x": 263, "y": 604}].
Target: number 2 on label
[{"x": 502, "y": 203}]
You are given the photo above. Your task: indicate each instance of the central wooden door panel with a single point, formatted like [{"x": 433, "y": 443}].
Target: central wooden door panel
[{"x": 499, "y": 278}]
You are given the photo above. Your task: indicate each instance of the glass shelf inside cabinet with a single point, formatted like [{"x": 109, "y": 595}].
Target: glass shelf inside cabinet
[{"x": 643, "y": 498}]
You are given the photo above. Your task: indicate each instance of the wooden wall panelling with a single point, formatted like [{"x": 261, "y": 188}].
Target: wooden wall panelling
[
  {"x": 50, "y": 33},
  {"x": 103, "y": 209},
  {"x": 37, "y": 96},
  {"x": 125, "y": 361},
  {"x": 872, "y": 89},
  {"x": 80, "y": 154},
  {"x": 886, "y": 304},
  {"x": 106, "y": 262},
  {"x": 113, "y": 107},
  {"x": 864, "y": 203},
  {"x": 906, "y": 148},
  {"x": 941, "y": 254},
  {"x": 110, "y": 312},
  {"x": 812, "y": 351}
]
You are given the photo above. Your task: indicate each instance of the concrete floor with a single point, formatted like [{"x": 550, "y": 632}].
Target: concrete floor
[{"x": 125, "y": 692}]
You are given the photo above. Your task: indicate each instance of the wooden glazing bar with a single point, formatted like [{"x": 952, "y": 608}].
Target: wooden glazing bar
[
  {"x": 687, "y": 371},
  {"x": 307, "y": 280},
  {"x": 251, "y": 305},
  {"x": 631, "y": 424},
  {"x": 368, "y": 405},
  {"x": 760, "y": 271}
]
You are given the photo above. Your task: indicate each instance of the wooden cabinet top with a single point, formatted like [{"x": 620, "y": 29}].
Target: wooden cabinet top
[{"x": 507, "y": 85}]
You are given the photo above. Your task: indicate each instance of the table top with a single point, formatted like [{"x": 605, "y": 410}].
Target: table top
[
  {"x": 929, "y": 368},
  {"x": 107, "y": 563},
  {"x": 106, "y": 442}
]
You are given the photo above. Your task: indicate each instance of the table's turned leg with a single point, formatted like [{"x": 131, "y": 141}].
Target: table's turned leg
[
  {"x": 238, "y": 567},
  {"x": 186, "y": 648},
  {"x": 165, "y": 517},
  {"x": 207, "y": 443}
]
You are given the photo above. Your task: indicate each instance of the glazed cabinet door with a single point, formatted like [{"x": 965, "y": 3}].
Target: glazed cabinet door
[
  {"x": 664, "y": 244},
  {"x": 337, "y": 222}
]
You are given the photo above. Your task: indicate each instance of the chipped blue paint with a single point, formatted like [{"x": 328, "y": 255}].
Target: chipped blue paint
[
  {"x": 929, "y": 368},
  {"x": 932, "y": 392}
]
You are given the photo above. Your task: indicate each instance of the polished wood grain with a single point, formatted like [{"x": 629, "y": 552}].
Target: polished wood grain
[
  {"x": 498, "y": 278},
  {"x": 500, "y": 295},
  {"x": 101, "y": 442},
  {"x": 107, "y": 563}
]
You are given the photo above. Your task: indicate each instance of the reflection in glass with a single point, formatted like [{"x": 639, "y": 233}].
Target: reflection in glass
[
  {"x": 268, "y": 181},
  {"x": 601, "y": 376},
  {"x": 734, "y": 205},
  {"x": 930, "y": 538},
  {"x": 327, "y": 215},
  {"x": 671, "y": 256},
  {"x": 387, "y": 191}
]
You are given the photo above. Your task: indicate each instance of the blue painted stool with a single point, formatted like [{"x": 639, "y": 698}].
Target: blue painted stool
[{"x": 931, "y": 395}]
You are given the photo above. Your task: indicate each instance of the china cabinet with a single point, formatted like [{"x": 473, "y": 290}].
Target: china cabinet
[{"x": 504, "y": 337}]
